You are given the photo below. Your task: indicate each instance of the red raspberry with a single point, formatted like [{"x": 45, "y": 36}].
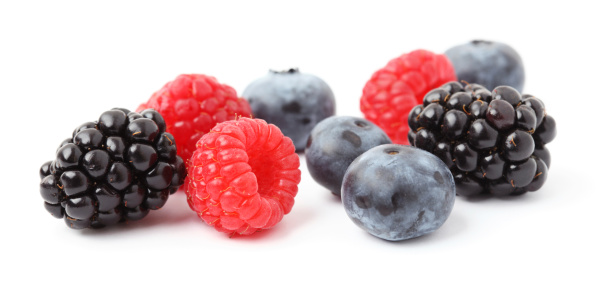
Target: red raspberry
[
  {"x": 395, "y": 89},
  {"x": 193, "y": 104},
  {"x": 243, "y": 177}
]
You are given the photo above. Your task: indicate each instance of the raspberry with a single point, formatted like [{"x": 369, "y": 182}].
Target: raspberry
[
  {"x": 394, "y": 90},
  {"x": 192, "y": 104},
  {"x": 493, "y": 142},
  {"x": 243, "y": 177},
  {"x": 112, "y": 170}
]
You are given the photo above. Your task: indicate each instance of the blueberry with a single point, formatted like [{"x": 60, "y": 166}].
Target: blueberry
[
  {"x": 490, "y": 64},
  {"x": 293, "y": 101},
  {"x": 397, "y": 192},
  {"x": 334, "y": 143}
]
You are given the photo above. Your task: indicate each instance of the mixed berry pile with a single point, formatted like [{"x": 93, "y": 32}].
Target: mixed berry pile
[{"x": 435, "y": 126}]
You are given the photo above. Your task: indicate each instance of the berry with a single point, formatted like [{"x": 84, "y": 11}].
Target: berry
[
  {"x": 487, "y": 63},
  {"x": 395, "y": 89},
  {"x": 243, "y": 177},
  {"x": 397, "y": 192},
  {"x": 293, "y": 101},
  {"x": 494, "y": 144},
  {"x": 111, "y": 171},
  {"x": 334, "y": 143},
  {"x": 191, "y": 105}
]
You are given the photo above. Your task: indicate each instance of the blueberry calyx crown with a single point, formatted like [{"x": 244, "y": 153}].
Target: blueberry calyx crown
[
  {"x": 289, "y": 71},
  {"x": 481, "y": 42}
]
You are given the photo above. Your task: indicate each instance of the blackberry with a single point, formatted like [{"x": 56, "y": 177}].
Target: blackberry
[
  {"x": 112, "y": 170},
  {"x": 493, "y": 142}
]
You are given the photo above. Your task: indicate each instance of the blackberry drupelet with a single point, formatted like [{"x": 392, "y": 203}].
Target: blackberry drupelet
[
  {"x": 493, "y": 142},
  {"x": 112, "y": 170}
]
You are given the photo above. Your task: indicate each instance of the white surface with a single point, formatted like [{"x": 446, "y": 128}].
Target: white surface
[{"x": 63, "y": 63}]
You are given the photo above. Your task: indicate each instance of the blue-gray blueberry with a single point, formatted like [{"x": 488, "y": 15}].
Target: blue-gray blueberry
[
  {"x": 334, "y": 143},
  {"x": 398, "y": 192},
  {"x": 291, "y": 100},
  {"x": 487, "y": 63}
]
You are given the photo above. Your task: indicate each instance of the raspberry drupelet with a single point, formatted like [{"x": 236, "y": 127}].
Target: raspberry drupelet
[{"x": 243, "y": 176}]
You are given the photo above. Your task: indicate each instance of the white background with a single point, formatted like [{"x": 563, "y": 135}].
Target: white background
[{"x": 64, "y": 63}]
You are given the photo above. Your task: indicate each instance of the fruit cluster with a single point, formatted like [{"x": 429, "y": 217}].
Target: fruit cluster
[
  {"x": 111, "y": 170},
  {"x": 241, "y": 152},
  {"x": 488, "y": 139}
]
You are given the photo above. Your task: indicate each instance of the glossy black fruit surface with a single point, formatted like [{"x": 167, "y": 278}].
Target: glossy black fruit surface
[
  {"x": 112, "y": 170},
  {"x": 494, "y": 142}
]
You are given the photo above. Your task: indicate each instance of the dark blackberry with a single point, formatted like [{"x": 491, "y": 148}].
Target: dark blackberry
[
  {"x": 493, "y": 142},
  {"x": 112, "y": 170}
]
